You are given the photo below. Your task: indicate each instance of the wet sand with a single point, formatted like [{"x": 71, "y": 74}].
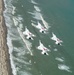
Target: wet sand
[{"x": 5, "y": 68}]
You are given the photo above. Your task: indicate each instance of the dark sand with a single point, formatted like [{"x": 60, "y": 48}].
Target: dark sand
[{"x": 5, "y": 68}]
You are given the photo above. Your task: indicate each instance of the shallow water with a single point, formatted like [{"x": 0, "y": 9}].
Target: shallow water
[{"x": 25, "y": 58}]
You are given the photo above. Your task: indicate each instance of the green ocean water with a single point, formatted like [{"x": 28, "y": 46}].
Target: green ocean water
[{"x": 59, "y": 14}]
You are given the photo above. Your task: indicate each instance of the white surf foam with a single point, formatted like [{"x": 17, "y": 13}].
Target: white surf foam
[
  {"x": 59, "y": 59},
  {"x": 9, "y": 43},
  {"x": 33, "y": 21},
  {"x": 44, "y": 22},
  {"x": 24, "y": 73},
  {"x": 32, "y": 1},
  {"x": 55, "y": 49},
  {"x": 6, "y": 14},
  {"x": 20, "y": 51},
  {"x": 36, "y": 15},
  {"x": 21, "y": 61},
  {"x": 30, "y": 61},
  {"x": 37, "y": 8},
  {"x": 18, "y": 21},
  {"x": 64, "y": 67},
  {"x": 13, "y": 10},
  {"x": 14, "y": 36},
  {"x": 9, "y": 23}
]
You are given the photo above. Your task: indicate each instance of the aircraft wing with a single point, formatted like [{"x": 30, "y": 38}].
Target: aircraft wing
[
  {"x": 39, "y": 47},
  {"x": 37, "y": 26},
  {"x": 26, "y": 31},
  {"x": 33, "y": 35},
  {"x": 54, "y": 37}
]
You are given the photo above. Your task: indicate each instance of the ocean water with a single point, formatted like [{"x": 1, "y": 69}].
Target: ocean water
[{"x": 57, "y": 16}]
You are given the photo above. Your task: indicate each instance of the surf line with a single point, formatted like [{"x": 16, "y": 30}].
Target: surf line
[{"x": 44, "y": 22}]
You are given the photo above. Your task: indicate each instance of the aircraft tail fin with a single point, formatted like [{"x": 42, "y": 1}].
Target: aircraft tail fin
[{"x": 33, "y": 24}]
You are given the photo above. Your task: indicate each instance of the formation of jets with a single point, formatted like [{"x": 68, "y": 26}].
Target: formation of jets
[{"x": 41, "y": 29}]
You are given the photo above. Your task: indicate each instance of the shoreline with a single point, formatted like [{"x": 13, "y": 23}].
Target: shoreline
[{"x": 5, "y": 66}]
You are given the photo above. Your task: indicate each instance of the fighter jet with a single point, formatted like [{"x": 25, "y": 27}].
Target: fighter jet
[
  {"x": 41, "y": 28},
  {"x": 43, "y": 48},
  {"x": 28, "y": 34},
  {"x": 57, "y": 40}
]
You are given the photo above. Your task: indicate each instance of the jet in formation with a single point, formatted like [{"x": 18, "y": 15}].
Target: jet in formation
[
  {"x": 43, "y": 48},
  {"x": 57, "y": 40},
  {"x": 28, "y": 34}
]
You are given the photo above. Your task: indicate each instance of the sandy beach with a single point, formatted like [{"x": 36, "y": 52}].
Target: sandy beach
[{"x": 5, "y": 68}]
